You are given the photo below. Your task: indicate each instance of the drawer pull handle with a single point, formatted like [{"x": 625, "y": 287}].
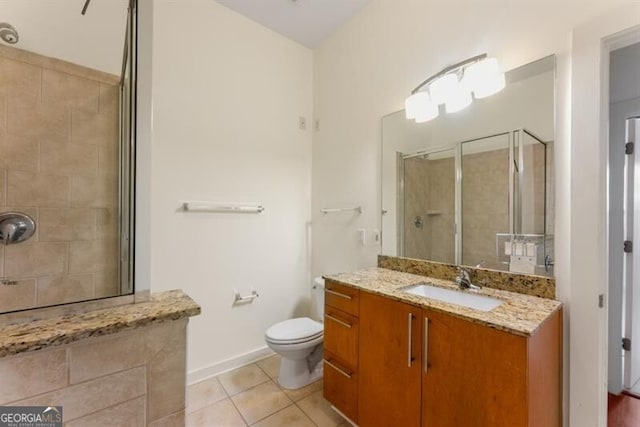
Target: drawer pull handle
[
  {"x": 409, "y": 349},
  {"x": 335, "y": 319},
  {"x": 340, "y": 371},
  {"x": 338, "y": 294},
  {"x": 426, "y": 344}
]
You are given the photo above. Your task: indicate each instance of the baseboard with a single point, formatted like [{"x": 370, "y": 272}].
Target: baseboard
[{"x": 228, "y": 364}]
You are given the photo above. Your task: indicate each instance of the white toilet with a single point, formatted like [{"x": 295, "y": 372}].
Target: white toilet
[{"x": 299, "y": 343}]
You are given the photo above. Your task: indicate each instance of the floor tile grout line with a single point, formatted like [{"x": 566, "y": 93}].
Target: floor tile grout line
[
  {"x": 250, "y": 388},
  {"x": 186, "y": 409},
  {"x": 306, "y": 415},
  {"x": 272, "y": 414}
]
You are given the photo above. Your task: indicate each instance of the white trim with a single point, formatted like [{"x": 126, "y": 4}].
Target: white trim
[
  {"x": 589, "y": 234},
  {"x": 223, "y": 366}
]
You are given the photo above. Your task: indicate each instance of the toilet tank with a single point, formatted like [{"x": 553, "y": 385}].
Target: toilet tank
[{"x": 318, "y": 286}]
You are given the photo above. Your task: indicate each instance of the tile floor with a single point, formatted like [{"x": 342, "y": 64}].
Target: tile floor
[{"x": 251, "y": 396}]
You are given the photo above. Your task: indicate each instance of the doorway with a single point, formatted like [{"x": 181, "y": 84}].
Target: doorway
[{"x": 624, "y": 222}]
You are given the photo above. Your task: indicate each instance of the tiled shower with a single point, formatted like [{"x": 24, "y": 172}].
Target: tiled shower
[{"x": 59, "y": 162}]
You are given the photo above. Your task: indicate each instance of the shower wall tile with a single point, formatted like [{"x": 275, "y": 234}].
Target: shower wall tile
[
  {"x": 19, "y": 153},
  {"x": 68, "y": 159},
  {"x": 38, "y": 259},
  {"x": 97, "y": 192},
  {"x": 130, "y": 378},
  {"x": 3, "y": 115},
  {"x": 166, "y": 373},
  {"x": 109, "y": 98},
  {"x": 32, "y": 189},
  {"x": 29, "y": 117},
  {"x": 64, "y": 89},
  {"x": 91, "y": 396},
  {"x": 92, "y": 256},
  {"x": 107, "y": 157},
  {"x": 106, "y": 283},
  {"x": 3, "y": 186},
  {"x": 15, "y": 54},
  {"x": 19, "y": 296},
  {"x": 67, "y": 224},
  {"x": 130, "y": 413},
  {"x": 33, "y": 213},
  {"x": 94, "y": 128},
  {"x": 106, "y": 223},
  {"x": 24, "y": 376},
  {"x": 19, "y": 79},
  {"x": 59, "y": 164},
  {"x": 108, "y": 355},
  {"x": 63, "y": 289}
]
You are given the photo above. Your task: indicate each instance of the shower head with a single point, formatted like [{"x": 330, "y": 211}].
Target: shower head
[{"x": 8, "y": 33}]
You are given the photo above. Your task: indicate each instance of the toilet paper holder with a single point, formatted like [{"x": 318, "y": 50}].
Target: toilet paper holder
[{"x": 239, "y": 299}]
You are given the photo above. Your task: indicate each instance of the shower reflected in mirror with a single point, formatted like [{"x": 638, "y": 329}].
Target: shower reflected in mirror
[{"x": 475, "y": 188}]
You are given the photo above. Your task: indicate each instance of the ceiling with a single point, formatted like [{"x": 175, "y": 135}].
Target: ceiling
[{"x": 308, "y": 22}]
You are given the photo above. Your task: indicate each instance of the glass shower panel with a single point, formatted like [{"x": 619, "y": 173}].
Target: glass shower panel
[
  {"x": 532, "y": 182},
  {"x": 485, "y": 198},
  {"x": 429, "y": 206}
]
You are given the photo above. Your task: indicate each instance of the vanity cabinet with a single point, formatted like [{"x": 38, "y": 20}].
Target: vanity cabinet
[
  {"x": 341, "y": 348},
  {"x": 390, "y": 362},
  {"x": 474, "y": 375}
]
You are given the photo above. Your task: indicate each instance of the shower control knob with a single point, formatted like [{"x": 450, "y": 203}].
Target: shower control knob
[{"x": 16, "y": 227}]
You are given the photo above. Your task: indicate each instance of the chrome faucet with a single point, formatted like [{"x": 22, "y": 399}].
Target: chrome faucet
[{"x": 464, "y": 279}]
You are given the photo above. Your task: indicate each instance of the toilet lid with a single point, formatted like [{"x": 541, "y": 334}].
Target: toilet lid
[{"x": 292, "y": 330}]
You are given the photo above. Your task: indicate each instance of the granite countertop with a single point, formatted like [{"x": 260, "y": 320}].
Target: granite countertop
[
  {"x": 520, "y": 314},
  {"x": 59, "y": 330}
]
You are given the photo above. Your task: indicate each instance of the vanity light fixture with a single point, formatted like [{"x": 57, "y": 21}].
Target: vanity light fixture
[{"x": 453, "y": 87}]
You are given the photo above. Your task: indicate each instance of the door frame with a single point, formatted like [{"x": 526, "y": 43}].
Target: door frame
[{"x": 587, "y": 159}]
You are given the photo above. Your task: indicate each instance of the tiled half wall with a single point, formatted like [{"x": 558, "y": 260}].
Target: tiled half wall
[
  {"x": 58, "y": 164},
  {"x": 134, "y": 378}
]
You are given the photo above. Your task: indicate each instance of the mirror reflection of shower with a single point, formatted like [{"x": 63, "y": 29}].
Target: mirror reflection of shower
[{"x": 479, "y": 202}]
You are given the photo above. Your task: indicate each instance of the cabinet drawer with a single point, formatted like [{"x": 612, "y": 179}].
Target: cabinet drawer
[
  {"x": 342, "y": 297},
  {"x": 341, "y": 336},
  {"x": 341, "y": 386}
]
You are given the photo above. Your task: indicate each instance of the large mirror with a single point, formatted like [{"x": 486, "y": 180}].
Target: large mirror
[
  {"x": 67, "y": 121},
  {"x": 475, "y": 187}
]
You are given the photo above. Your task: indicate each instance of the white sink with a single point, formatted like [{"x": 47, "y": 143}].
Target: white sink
[{"x": 465, "y": 299}]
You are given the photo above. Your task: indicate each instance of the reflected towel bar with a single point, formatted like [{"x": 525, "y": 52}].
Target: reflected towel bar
[
  {"x": 217, "y": 208},
  {"x": 334, "y": 210}
]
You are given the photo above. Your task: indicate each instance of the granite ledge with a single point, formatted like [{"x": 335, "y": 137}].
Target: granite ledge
[
  {"x": 519, "y": 314},
  {"x": 55, "y": 331}
]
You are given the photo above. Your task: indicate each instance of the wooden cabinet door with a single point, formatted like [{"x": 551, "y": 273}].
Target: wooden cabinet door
[
  {"x": 474, "y": 376},
  {"x": 389, "y": 362}
]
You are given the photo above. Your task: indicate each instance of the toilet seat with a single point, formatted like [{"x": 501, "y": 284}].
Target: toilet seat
[{"x": 294, "y": 331}]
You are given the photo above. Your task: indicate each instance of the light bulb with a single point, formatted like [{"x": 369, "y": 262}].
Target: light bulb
[
  {"x": 458, "y": 99},
  {"x": 412, "y": 104},
  {"x": 484, "y": 78},
  {"x": 428, "y": 111},
  {"x": 441, "y": 87}
]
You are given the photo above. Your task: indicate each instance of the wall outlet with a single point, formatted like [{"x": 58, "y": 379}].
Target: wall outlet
[{"x": 302, "y": 123}]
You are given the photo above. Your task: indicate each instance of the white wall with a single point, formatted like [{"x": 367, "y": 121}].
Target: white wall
[
  {"x": 227, "y": 94},
  {"x": 56, "y": 28},
  {"x": 367, "y": 69}
]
